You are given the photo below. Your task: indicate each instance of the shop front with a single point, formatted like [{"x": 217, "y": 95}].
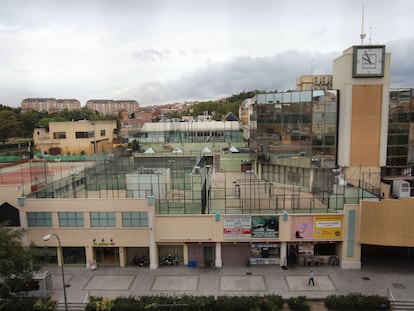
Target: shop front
[
  {"x": 261, "y": 233},
  {"x": 201, "y": 254},
  {"x": 74, "y": 255},
  {"x": 173, "y": 250},
  {"x": 106, "y": 256},
  {"x": 315, "y": 240},
  {"x": 265, "y": 253},
  {"x": 136, "y": 253},
  {"x": 236, "y": 253}
]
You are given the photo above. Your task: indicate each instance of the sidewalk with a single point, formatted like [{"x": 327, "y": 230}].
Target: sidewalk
[{"x": 232, "y": 281}]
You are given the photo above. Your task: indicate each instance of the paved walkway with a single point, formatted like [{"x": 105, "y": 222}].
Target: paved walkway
[{"x": 255, "y": 280}]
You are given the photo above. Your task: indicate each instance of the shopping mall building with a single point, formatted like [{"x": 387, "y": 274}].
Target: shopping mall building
[{"x": 325, "y": 175}]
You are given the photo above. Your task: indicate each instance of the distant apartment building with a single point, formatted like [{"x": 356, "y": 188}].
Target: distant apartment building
[
  {"x": 314, "y": 82},
  {"x": 51, "y": 105},
  {"x": 109, "y": 106}
]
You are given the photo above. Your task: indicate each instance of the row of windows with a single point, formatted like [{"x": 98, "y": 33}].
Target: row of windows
[
  {"x": 91, "y": 134},
  {"x": 98, "y": 219},
  {"x": 301, "y": 96}
]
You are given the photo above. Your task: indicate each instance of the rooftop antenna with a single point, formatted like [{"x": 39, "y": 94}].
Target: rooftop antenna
[
  {"x": 362, "y": 27},
  {"x": 370, "y": 35}
]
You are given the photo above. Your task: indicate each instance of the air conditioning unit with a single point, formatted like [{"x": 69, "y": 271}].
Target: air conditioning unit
[{"x": 401, "y": 189}]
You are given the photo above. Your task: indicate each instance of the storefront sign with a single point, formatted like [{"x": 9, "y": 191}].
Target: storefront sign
[
  {"x": 301, "y": 227},
  {"x": 237, "y": 226},
  {"x": 265, "y": 226},
  {"x": 328, "y": 227},
  {"x": 306, "y": 249}
]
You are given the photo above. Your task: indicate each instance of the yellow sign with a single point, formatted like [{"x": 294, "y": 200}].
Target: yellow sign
[{"x": 328, "y": 227}]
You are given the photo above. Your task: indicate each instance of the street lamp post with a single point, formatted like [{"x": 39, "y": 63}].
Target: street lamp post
[
  {"x": 47, "y": 238},
  {"x": 95, "y": 147}
]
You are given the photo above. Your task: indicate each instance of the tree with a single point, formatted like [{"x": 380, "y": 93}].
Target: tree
[
  {"x": 9, "y": 126},
  {"x": 17, "y": 263}
]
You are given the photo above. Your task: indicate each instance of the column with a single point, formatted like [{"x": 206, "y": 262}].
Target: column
[
  {"x": 59, "y": 256},
  {"x": 185, "y": 254},
  {"x": 89, "y": 255},
  {"x": 122, "y": 256},
  {"x": 283, "y": 254},
  {"x": 218, "y": 261},
  {"x": 152, "y": 246}
]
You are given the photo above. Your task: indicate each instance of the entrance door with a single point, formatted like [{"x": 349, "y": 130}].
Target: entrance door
[
  {"x": 107, "y": 255},
  {"x": 265, "y": 252},
  {"x": 208, "y": 256}
]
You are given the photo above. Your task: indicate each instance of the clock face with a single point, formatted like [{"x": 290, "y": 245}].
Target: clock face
[{"x": 368, "y": 61}]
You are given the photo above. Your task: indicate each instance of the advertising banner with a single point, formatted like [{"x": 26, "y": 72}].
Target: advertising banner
[
  {"x": 265, "y": 226},
  {"x": 328, "y": 227},
  {"x": 237, "y": 226},
  {"x": 301, "y": 227},
  {"x": 306, "y": 249}
]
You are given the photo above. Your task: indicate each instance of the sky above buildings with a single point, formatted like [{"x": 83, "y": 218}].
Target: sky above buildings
[{"x": 164, "y": 51}]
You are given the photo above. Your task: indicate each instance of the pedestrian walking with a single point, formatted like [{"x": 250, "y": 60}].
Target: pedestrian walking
[{"x": 311, "y": 279}]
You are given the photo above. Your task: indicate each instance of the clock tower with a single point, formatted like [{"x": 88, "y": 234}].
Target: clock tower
[{"x": 362, "y": 75}]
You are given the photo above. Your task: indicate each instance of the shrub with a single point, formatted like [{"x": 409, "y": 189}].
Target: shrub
[
  {"x": 44, "y": 304},
  {"x": 192, "y": 303},
  {"x": 356, "y": 301},
  {"x": 298, "y": 303},
  {"x": 99, "y": 304},
  {"x": 277, "y": 300},
  {"x": 16, "y": 304},
  {"x": 126, "y": 304}
]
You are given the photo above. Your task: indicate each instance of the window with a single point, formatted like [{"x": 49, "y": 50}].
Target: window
[
  {"x": 81, "y": 134},
  {"x": 59, "y": 135},
  {"x": 102, "y": 219},
  {"x": 70, "y": 219},
  {"x": 102, "y": 133},
  {"x": 135, "y": 219},
  {"x": 39, "y": 219}
]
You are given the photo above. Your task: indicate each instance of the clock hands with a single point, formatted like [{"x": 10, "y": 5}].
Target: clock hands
[{"x": 366, "y": 57}]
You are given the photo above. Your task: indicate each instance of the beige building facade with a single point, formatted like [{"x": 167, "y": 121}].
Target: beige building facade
[
  {"x": 115, "y": 231},
  {"x": 104, "y": 231},
  {"x": 75, "y": 137}
]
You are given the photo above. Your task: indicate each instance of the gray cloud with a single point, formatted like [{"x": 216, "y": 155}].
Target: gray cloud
[
  {"x": 263, "y": 73},
  {"x": 402, "y": 62},
  {"x": 151, "y": 55},
  {"x": 225, "y": 78}
]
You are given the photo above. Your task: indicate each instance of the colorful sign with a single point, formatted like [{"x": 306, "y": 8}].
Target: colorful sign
[
  {"x": 265, "y": 226},
  {"x": 237, "y": 226},
  {"x": 301, "y": 227},
  {"x": 306, "y": 249},
  {"x": 328, "y": 227}
]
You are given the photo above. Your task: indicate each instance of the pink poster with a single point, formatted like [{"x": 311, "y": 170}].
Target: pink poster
[{"x": 302, "y": 227}]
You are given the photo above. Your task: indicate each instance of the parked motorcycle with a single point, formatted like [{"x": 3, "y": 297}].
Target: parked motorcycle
[
  {"x": 169, "y": 260},
  {"x": 141, "y": 261}
]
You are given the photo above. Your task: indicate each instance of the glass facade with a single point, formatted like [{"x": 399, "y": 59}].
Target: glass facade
[
  {"x": 103, "y": 219},
  {"x": 297, "y": 128},
  {"x": 70, "y": 219},
  {"x": 39, "y": 219},
  {"x": 135, "y": 219},
  {"x": 400, "y": 145}
]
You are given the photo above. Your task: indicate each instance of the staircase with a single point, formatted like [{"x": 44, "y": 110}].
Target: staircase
[
  {"x": 72, "y": 306},
  {"x": 399, "y": 304},
  {"x": 406, "y": 304}
]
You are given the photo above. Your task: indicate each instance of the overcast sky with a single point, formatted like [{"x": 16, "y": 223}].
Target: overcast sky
[{"x": 163, "y": 51}]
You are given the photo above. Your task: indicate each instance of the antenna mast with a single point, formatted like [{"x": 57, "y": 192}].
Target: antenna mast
[{"x": 362, "y": 27}]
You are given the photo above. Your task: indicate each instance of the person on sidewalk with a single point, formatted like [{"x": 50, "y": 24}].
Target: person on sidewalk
[{"x": 311, "y": 275}]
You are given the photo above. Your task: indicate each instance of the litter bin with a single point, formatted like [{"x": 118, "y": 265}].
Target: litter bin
[{"x": 192, "y": 264}]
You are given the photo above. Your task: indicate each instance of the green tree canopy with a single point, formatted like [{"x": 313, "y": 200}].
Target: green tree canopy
[
  {"x": 17, "y": 263},
  {"x": 9, "y": 126}
]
